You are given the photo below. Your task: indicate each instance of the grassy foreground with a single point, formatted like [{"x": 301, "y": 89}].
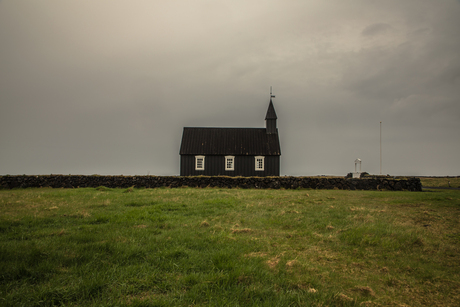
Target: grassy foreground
[{"x": 229, "y": 247}]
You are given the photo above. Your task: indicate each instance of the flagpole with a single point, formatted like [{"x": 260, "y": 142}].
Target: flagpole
[{"x": 380, "y": 148}]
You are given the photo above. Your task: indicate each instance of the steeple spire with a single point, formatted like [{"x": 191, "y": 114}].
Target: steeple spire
[{"x": 270, "y": 118}]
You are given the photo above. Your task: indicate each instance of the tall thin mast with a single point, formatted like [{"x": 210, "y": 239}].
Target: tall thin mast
[{"x": 380, "y": 148}]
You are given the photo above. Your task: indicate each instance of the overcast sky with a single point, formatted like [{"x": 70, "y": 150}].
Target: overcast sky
[{"x": 106, "y": 87}]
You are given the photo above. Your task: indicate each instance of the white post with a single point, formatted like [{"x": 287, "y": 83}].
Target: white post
[{"x": 356, "y": 174}]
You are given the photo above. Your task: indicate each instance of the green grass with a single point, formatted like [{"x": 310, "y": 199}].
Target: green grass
[
  {"x": 440, "y": 182},
  {"x": 228, "y": 247}
]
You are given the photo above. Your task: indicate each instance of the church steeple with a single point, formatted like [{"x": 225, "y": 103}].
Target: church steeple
[{"x": 270, "y": 118}]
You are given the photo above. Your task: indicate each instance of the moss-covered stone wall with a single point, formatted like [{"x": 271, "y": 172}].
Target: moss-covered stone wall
[{"x": 285, "y": 182}]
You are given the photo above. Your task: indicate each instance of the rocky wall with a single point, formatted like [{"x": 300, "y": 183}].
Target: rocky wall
[{"x": 284, "y": 182}]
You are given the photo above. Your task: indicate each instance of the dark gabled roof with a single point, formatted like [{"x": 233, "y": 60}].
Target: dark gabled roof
[
  {"x": 271, "y": 114},
  {"x": 229, "y": 141}
]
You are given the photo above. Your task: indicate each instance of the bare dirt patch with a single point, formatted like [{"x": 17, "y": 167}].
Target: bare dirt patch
[
  {"x": 344, "y": 298},
  {"x": 273, "y": 262},
  {"x": 292, "y": 263},
  {"x": 204, "y": 224}
]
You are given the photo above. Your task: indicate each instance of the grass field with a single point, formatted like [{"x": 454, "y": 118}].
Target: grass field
[
  {"x": 444, "y": 182},
  {"x": 229, "y": 247}
]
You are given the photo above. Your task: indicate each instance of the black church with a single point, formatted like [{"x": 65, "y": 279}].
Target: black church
[{"x": 232, "y": 151}]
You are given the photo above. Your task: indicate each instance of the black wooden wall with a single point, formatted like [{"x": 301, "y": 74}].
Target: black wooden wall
[{"x": 215, "y": 166}]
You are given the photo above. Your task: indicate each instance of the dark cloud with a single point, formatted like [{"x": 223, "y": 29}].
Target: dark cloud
[
  {"x": 106, "y": 87},
  {"x": 376, "y": 29}
]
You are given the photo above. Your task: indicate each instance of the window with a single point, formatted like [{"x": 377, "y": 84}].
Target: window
[
  {"x": 259, "y": 163},
  {"x": 229, "y": 163},
  {"x": 199, "y": 163}
]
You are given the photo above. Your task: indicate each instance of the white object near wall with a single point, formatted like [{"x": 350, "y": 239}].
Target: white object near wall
[{"x": 357, "y": 173}]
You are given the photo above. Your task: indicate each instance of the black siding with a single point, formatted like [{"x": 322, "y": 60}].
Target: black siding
[
  {"x": 271, "y": 126},
  {"x": 215, "y": 166}
]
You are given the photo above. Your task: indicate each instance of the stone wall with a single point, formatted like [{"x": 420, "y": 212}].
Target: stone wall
[{"x": 285, "y": 182}]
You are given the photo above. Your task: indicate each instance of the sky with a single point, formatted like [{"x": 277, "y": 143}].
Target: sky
[{"x": 105, "y": 87}]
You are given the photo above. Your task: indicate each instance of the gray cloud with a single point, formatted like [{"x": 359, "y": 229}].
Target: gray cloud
[
  {"x": 376, "y": 29},
  {"x": 106, "y": 87}
]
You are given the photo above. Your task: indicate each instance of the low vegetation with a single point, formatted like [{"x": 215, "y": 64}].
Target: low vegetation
[
  {"x": 441, "y": 182},
  {"x": 229, "y": 247}
]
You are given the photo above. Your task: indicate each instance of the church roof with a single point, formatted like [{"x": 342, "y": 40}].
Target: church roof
[
  {"x": 230, "y": 141},
  {"x": 271, "y": 114}
]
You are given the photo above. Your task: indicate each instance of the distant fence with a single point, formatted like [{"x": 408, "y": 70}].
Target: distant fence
[{"x": 283, "y": 182}]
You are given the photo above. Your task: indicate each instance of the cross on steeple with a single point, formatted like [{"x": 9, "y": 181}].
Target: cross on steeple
[{"x": 271, "y": 95}]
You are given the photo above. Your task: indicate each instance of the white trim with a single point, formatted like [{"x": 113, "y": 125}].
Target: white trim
[
  {"x": 199, "y": 163},
  {"x": 229, "y": 163},
  {"x": 259, "y": 163}
]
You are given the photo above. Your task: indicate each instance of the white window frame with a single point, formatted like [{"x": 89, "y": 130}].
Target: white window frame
[
  {"x": 227, "y": 160},
  {"x": 196, "y": 163},
  {"x": 257, "y": 165}
]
